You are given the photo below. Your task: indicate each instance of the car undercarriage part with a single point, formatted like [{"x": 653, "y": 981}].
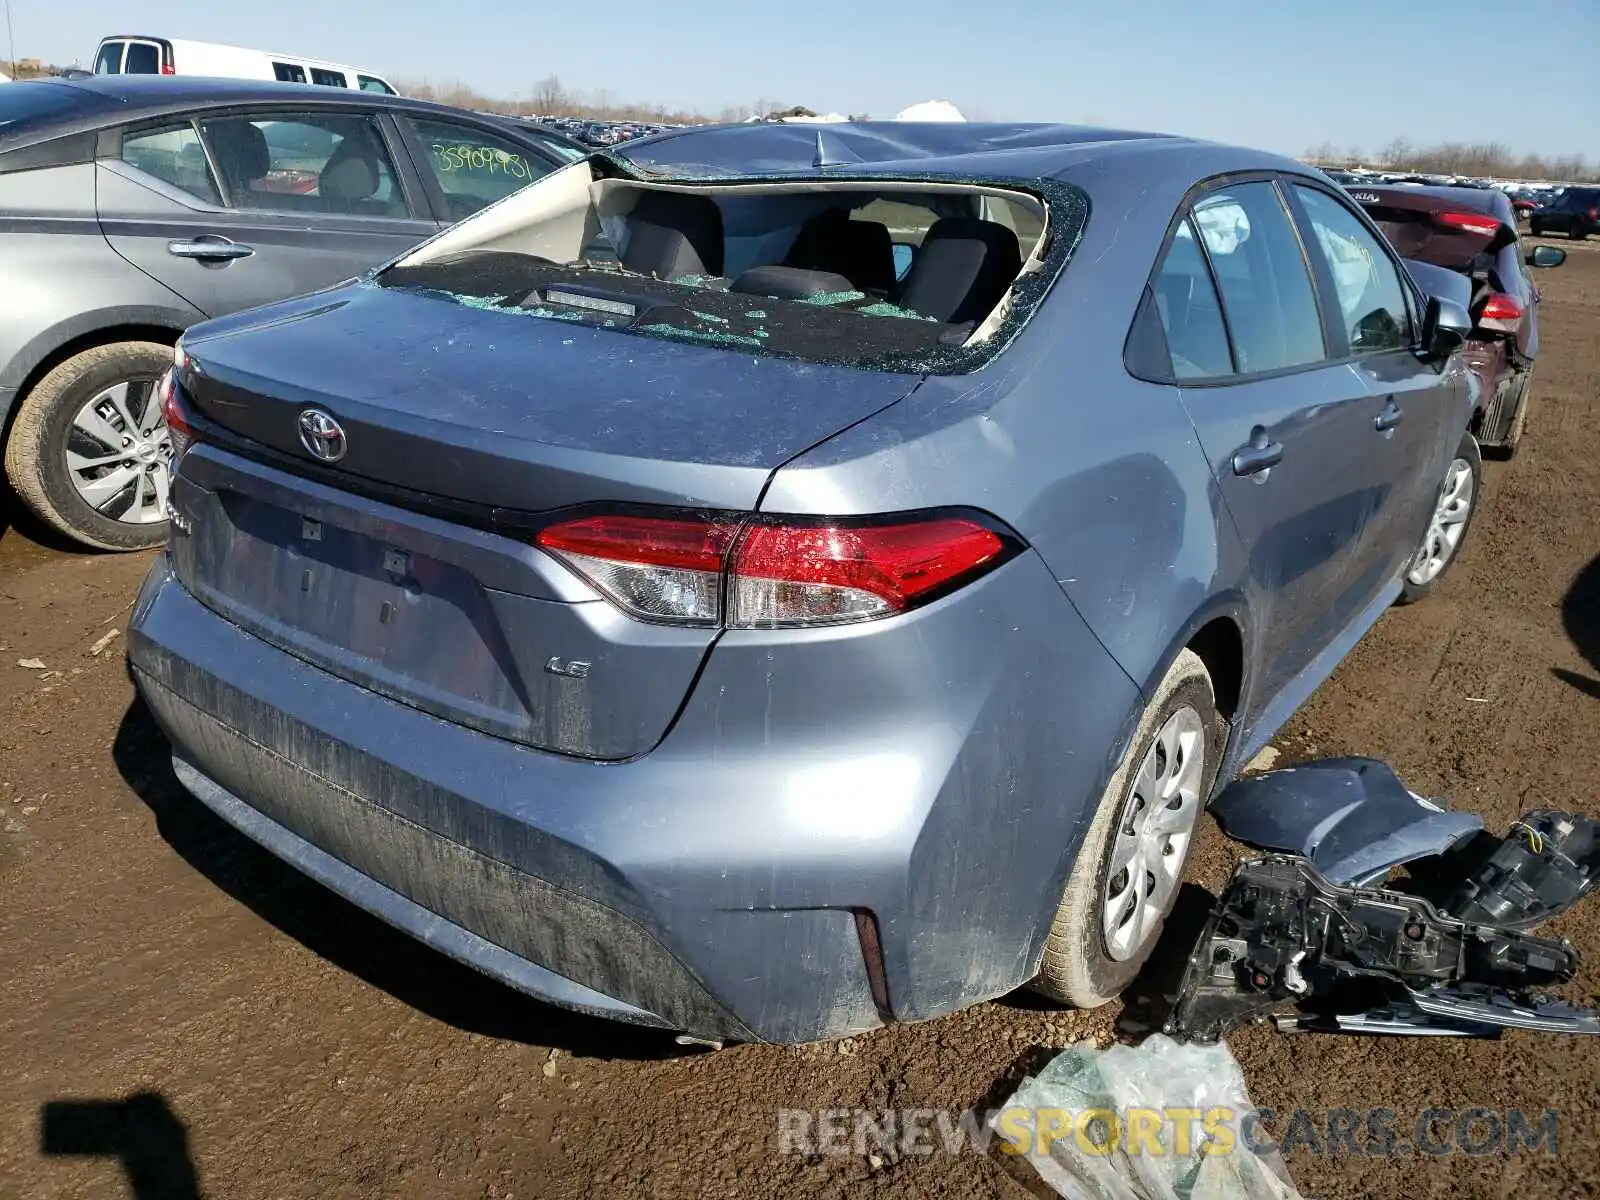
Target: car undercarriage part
[{"x": 1283, "y": 932}]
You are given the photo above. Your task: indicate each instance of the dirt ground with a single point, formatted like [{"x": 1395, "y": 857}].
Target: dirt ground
[{"x": 181, "y": 1015}]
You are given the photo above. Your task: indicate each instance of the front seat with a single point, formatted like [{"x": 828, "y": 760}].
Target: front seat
[
  {"x": 242, "y": 153},
  {"x": 350, "y": 178},
  {"x": 672, "y": 234},
  {"x": 963, "y": 268}
]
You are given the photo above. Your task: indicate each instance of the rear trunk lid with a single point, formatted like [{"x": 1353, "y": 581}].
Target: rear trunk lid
[
  {"x": 504, "y": 417},
  {"x": 507, "y": 409}
]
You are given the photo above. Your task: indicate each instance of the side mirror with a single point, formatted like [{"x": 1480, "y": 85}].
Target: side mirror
[
  {"x": 1445, "y": 326},
  {"x": 1546, "y": 256}
]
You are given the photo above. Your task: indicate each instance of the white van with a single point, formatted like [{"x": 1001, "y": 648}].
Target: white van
[{"x": 138, "y": 54}]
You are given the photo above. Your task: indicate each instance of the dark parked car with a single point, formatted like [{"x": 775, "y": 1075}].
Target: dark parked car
[
  {"x": 1474, "y": 232},
  {"x": 1576, "y": 213},
  {"x": 647, "y": 593},
  {"x": 135, "y": 206}
]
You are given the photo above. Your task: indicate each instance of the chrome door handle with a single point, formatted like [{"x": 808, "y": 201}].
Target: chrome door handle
[
  {"x": 221, "y": 250},
  {"x": 1391, "y": 416},
  {"x": 1260, "y": 454}
]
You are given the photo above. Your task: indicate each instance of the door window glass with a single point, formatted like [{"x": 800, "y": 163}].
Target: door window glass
[
  {"x": 369, "y": 84},
  {"x": 288, "y": 72},
  {"x": 172, "y": 154},
  {"x": 1372, "y": 300},
  {"x": 109, "y": 61},
  {"x": 327, "y": 78},
  {"x": 1266, "y": 286},
  {"x": 143, "y": 59},
  {"x": 1190, "y": 314},
  {"x": 333, "y": 163},
  {"x": 474, "y": 169}
]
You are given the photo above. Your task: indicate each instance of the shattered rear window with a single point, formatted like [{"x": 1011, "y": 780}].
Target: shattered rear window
[{"x": 767, "y": 290}]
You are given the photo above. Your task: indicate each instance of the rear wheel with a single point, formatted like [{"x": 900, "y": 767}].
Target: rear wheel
[
  {"x": 89, "y": 452},
  {"x": 1447, "y": 527},
  {"x": 1536, "y": 228},
  {"x": 1131, "y": 863}
]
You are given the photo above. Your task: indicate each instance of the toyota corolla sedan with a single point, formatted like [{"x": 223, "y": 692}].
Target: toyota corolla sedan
[{"x": 768, "y": 582}]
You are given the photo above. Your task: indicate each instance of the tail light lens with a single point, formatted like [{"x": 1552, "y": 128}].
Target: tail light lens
[
  {"x": 1502, "y": 313},
  {"x": 660, "y": 569},
  {"x": 758, "y": 572},
  {"x": 1469, "y": 223},
  {"x": 178, "y": 427}
]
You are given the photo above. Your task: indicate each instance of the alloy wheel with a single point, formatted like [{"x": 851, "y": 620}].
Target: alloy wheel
[
  {"x": 119, "y": 453},
  {"x": 1448, "y": 525}
]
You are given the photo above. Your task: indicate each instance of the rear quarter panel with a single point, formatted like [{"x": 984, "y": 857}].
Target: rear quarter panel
[{"x": 1103, "y": 474}]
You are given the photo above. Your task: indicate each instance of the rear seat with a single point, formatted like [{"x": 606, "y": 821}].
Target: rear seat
[
  {"x": 673, "y": 234},
  {"x": 861, "y": 251},
  {"x": 963, "y": 269}
]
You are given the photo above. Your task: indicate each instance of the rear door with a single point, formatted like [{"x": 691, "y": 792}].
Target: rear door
[
  {"x": 1287, "y": 427},
  {"x": 1421, "y": 415},
  {"x": 466, "y": 167},
  {"x": 245, "y": 207}
]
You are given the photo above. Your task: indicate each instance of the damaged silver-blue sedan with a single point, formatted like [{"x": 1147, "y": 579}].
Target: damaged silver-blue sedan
[{"x": 768, "y": 583}]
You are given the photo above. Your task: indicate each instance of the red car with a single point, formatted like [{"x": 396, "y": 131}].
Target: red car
[{"x": 1473, "y": 231}]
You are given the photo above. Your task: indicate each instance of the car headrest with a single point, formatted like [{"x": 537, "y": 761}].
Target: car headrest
[
  {"x": 351, "y": 174},
  {"x": 861, "y": 251},
  {"x": 671, "y": 234},
  {"x": 790, "y": 283},
  {"x": 241, "y": 149},
  {"x": 963, "y": 268}
]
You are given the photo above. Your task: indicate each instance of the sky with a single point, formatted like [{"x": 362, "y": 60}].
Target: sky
[{"x": 1282, "y": 75}]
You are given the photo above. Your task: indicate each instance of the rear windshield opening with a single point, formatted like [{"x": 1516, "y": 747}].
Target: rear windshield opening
[{"x": 888, "y": 274}]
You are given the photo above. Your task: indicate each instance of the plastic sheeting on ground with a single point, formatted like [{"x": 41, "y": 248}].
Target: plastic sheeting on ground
[{"x": 1157, "y": 1121}]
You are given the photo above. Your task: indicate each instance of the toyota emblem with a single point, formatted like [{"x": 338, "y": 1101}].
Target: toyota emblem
[{"x": 321, "y": 435}]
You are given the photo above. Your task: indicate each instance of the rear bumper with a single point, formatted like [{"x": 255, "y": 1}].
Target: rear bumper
[{"x": 721, "y": 884}]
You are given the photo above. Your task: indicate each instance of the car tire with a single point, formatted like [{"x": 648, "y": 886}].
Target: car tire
[
  {"x": 36, "y": 452},
  {"x": 1080, "y": 966},
  {"x": 1458, "y": 497},
  {"x": 1535, "y": 228}
]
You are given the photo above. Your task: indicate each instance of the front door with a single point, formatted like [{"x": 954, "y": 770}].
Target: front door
[
  {"x": 1423, "y": 412},
  {"x": 248, "y": 208}
]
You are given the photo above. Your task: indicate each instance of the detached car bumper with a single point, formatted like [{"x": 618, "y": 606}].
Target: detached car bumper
[{"x": 775, "y": 870}]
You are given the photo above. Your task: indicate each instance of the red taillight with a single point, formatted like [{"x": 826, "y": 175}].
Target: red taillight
[
  {"x": 1501, "y": 312},
  {"x": 172, "y": 412},
  {"x": 825, "y": 574},
  {"x": 768, "y": 573},
  {"x": 1594, "y": 214},
  {"x": 1469, "y": 223},
  {"x": 661, "y": 569}
]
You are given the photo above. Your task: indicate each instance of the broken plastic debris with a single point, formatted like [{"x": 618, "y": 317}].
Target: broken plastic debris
[
  {"x": 1548, "y": 862},
  {"x": 31, "y": 664},
  {"x": 1352, "y": 817},
  {"x": 102, "y": 642},
  {"x": 1283, "y": 933},
  {"x": 1057, "y": 1119}
]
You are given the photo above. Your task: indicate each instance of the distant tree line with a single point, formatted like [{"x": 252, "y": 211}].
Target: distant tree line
[
  {"x": 1473, "y": 159},
  {"x": 548, "y": 98}
]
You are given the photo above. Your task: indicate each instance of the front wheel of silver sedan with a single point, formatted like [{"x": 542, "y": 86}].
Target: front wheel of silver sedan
[
  {"x": 89, "y": 452},
  {"x": 1130, "y": 866},
  {"x": 1453, "y": 509}
]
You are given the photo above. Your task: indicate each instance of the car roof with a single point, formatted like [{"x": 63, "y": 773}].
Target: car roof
[
  {"x": 116, "y": 99},
  {"x": 956, "y": 151}
]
